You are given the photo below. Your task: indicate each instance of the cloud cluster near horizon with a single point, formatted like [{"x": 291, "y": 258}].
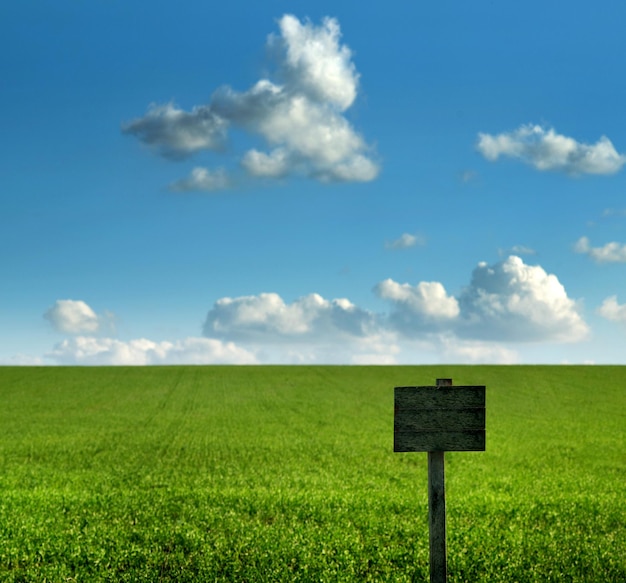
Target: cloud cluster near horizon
[
  {"x": 504, "y": 304},
  {"x": 299, "y": 116},
  {"x": 544, "y": 149},
  {"x": 110, "y": 351}
]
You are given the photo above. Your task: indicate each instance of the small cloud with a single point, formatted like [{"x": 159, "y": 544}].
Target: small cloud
[
  {"x": 177, "y": 134},
  {"x": 467, "y": 176},
  {"x": 613, "y": 311},
  {"x": 522, "y": 250},
  {"x": 517, "y": 250},
  {"x": 611, "y": 212},
  {"x": 405, "y": 241},
  {"x": 76, "y": 317},
  {"x": 544, "y": 149},
  {"x": 202, "y": 180},
  {"x": 610, "y": 253}
]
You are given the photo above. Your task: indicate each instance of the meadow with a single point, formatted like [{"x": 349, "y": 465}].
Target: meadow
[{"x": 270, "y": 473}]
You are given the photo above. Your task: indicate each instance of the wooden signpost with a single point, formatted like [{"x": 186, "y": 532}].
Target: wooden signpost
[{"x": 439, "y": 419}]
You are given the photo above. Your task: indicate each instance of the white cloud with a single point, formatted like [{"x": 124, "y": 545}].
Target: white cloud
[
  {"x": 310, "y": 329},
  {"x": 467, "y": 176},
  {"x": 509, "y": 301},
  {"x": 177, "y": 134},
  {"x": 300, "y": 119},
  {"x": 405, "y": 241},
  {"x": 514, "y": 301},
  {"x": 504, "y": 304},
  {"x": 272, "y": 165},
  {"x": 517, "y": 250},
  {"x": 522, "y": 250},
  {"x": 76, "y": 317},
  {"x": 546, "y": 150},
  {"x": 267, "y": 317},
  {"x": 611, "y": 252},
  {"x": 83, "y": 350},
  {"x": 612, "y": 212},
  {"x": 613, "y": 311},
  {"x": 313, "y": 138},
  {"x": 315, "y": 63},
  {"x": 427, "y": 302},
  {"x": 202, "y": 179},
  {"x": 355, "y": 168}
]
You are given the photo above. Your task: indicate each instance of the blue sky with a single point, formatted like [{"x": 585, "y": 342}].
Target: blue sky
[{"x": 306, "y": 182}]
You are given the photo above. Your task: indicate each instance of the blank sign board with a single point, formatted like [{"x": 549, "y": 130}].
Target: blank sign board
[{"x": 442, "y": 418}]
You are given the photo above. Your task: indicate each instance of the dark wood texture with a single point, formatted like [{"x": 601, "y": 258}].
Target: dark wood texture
[
  {"x": 439, "y": 418},
  {"x": 439, "y": 397},
  {"x": 439, "y": 441},
  {"x": 437, "y": 517}
]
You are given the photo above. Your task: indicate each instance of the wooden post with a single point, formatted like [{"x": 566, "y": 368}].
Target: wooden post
[{"x": 437, "y": 510}]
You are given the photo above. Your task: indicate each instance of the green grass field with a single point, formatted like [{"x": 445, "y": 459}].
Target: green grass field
[{"x": 287, "y": 474}]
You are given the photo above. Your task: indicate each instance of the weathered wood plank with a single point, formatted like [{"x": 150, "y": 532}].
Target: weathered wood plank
[
  {"x": 471, "y": 440},
  {"x": 439, "y": 397},
  {"x": 439, "y": 419},
  {"x": 437, "y": 517}
]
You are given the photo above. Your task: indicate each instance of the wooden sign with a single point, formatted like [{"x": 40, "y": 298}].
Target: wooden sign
[
  {"x": 438, "y": 419},
  {"x": 441, "y": 418}
]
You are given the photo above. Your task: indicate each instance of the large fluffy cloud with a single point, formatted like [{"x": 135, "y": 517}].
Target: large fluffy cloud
[
  {"x": 77, "y": 317},
  {"x": 546, "y": 150},
  {"x": 299, "y": 115},
  {"x": 109, "y": 351},
  {"x": 514, "y": 301},
  {"x": 610, "y": 253},
  {"x": 508, "y": 301}
]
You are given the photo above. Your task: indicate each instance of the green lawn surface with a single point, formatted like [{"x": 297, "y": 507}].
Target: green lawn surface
[{"x": 278, "y": 473}]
